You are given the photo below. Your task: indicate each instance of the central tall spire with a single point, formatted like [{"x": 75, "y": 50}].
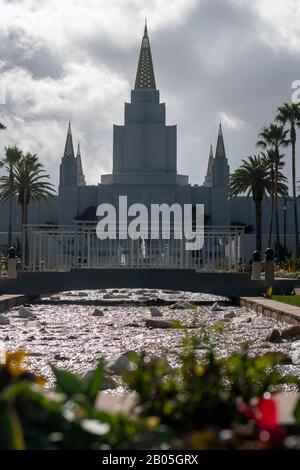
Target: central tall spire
[
  {"x": 145, "y": 74},
  {"x": 69, "y": 149},
  {"x": 220, "y": 150}
]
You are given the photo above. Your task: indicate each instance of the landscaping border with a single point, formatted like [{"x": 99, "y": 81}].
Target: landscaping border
[
  {"x": 278, "y": 311},
  {"x": 9, "y": 301}
]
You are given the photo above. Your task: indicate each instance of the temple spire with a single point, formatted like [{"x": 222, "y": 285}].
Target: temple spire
[
  {"x": 69, "y": 149},
  {"x": 220, "y": 150},
  {"x": 80, "y": 175},
  {"x": 209, "y": 174},
  {"x": 145, "y": 73},
  {"x": 210, "y": 162}
]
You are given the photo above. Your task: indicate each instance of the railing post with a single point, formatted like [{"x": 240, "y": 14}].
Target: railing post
[
  {"x": 269, "y": 269},
  {"x": 12, "y": 263},
  {"x": 256, "y": 266}
]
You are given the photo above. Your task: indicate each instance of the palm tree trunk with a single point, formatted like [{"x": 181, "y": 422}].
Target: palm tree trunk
[
  {"x": 271, "y": 226},
  {"x": 258, "y": 224},
  {"x": 24, "y": 222},
  {"x": 276, "y": 205},
  {"x": 293, "y": 140},
  {"x": 10, "y": 205},
  {"x": 272, "y": 210}
]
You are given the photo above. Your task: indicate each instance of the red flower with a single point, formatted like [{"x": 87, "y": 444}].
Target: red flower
[{"x": 266, "y": 414}]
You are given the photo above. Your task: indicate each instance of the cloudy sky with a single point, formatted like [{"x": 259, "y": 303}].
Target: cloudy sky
[{"x": 228, "y": 60}]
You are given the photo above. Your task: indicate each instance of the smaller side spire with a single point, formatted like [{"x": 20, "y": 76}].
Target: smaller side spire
[
  {"x": 220, "y": 173},
  {"x": 69, "y": 149},
  {"x": 220, "y": 150},
  {"x": 80, "y": 175},
  {"x": 210, "y": 161},
  {"x": 209, "y": 174}
]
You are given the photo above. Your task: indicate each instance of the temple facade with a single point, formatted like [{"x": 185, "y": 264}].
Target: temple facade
[
  {"x": 144, "y": 161},
  {"x": 145, "y": 170}
]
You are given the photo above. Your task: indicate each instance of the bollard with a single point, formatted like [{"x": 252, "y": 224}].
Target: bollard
[
  {"x": 256, "y": 266},
  {"x": 269, "y": 269},
  {"x": 12, "y": 263}
]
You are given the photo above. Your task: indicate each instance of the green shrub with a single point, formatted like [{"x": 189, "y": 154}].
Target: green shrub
[{"x": 212, "y": 403}]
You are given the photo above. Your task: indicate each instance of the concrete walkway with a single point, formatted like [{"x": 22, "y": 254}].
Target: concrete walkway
[
  {"x": 10, "y": 301},
  {"x": 272, "y": 309}
]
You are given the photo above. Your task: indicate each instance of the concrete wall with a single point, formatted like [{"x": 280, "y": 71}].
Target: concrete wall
[
  {"x": 67, "y": 204},
  {"x": 38, "y": 213},
  {"x": 233, "y": 285},
  {"x": 68, "y": 172}
]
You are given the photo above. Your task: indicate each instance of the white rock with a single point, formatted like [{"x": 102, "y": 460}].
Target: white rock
[
  {"x": 155, "y": 312},
  {"x": 230, "y": 315},
  {"x": 4, "y": 320},
  {"x": 69, "y": 294},
  {"x": 98, "y": 313},
  {"x": 181, "y": 306},
  {"x": 295, "y": 345},
  {"x": 55, "y": 297},
  {"x": 25, "y": 312},
  {"x": 216, "y": 307},
  {"x": 164, "y": 324},
  {"x": 296, "y": 356},
  {"x": 119, "y": 366},
  {"x": 116, "y": 296},
  {"x": 242, "y": 319},
  {"x": 108, "y": 382}
]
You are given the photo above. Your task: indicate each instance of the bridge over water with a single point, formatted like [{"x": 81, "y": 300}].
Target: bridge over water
[{"x": 228, "y": 284}]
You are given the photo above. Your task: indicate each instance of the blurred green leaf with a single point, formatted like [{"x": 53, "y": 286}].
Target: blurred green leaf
[
  {"x": 67, "y": 382},
  {"x": 297, "y": 412},
  {"x": 11, "y": 430},
  {"x": 94, "y": 383}
]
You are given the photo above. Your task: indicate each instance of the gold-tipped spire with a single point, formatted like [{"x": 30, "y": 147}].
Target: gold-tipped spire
[
  {"x": 145, "y": 73},
  {"x": 69, "y": 149},
  {"x": 220, "y": 150}
]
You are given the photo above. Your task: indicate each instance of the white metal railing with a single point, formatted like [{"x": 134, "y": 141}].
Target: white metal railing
[{"x": 61, "y": 248}]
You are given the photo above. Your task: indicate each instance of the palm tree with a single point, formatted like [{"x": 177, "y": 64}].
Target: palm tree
[
  {"x": 289, "y": 114},
  {"x": 252, "y": 178},
  {"x": 273, "y": 138},
  {"x": 30, "y": 185},
  {"x": 12, "y": 156},
  {"x": 271, "y": 157}
]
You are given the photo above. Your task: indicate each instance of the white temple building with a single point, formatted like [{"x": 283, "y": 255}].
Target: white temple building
[
  {"x": 144, "y": 161},
  {"x": 145, "y": 170}
]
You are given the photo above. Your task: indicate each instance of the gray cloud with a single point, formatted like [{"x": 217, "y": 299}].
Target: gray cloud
[{"x": 217, "y": 59}]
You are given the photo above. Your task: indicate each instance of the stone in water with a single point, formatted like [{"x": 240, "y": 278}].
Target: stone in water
[
  {"x": 25, "y": 312},
  {"x": 4, "y": 320},
  {"x": 119, "y": 366},
  {"x": 155, "y": 312},
  {"x": 296, "y": 357},
  {"x": 98, "y": 313},
  {"x": 292, "y": 333},
  {"x": 215, "y": 307}
]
